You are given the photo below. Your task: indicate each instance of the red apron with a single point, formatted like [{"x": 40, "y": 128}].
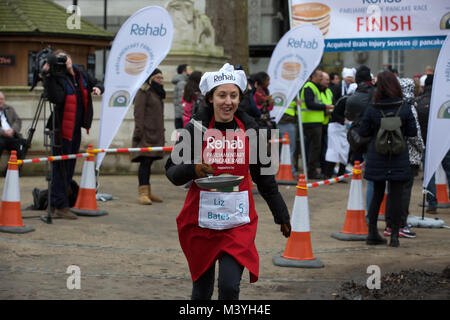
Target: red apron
[{"x": 203, "y": 246}]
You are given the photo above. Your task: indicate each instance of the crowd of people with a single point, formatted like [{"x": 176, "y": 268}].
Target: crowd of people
[{"x": 330, "y": 105}]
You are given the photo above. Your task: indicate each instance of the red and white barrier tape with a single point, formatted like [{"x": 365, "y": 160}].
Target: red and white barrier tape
[
  {"x": 277, "y": 140},
  {"x": 329, "y": 181},
  {"x": 91, "y": 153},
  {"x": 124, "y": 150},
  {"x": 334, "y": 180},
  {"x": 54, "y": 158}
]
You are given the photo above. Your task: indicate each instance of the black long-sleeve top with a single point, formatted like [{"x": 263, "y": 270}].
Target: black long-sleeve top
[{"x": 182, "y": 173}]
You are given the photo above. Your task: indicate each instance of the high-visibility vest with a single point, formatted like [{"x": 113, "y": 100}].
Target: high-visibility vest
[
  {"x": 308, "y": 115},
  {"x": 292, "y": 109},
  {"x": 327, "y": 98}
]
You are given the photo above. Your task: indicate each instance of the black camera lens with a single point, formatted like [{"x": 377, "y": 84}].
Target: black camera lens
[{"x": 61, "y": 59}]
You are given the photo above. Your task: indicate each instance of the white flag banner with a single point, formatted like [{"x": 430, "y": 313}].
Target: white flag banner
[
  {"x": 349, "y": 25},
  {"x": 142, "y": 42},
  {"x": 438, "y": 136},
  {"x": 295, "y": 57}
]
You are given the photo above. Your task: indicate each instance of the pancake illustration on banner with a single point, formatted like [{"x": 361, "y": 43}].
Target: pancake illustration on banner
[
  {"x": 444, "y": 110},
  {"x": 135, "y": 63},
  {"x": 445, "y": 21},
  {"x": 314, "y": 13},
  {"x": 119, "y": 99},
  {"x": 290, "y": 70}
]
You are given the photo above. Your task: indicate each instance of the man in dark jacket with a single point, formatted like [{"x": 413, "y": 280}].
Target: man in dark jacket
[
  {"x": 313, "y": 115},
  {"x": 179, "y": 81},
  {"x": 423, "y": 110},
  {"x": 357, "y": 103},
  {"x": 71, "y": 94}
]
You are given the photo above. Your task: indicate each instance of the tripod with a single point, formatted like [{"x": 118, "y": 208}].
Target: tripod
[{"x": 49, "y": 141}]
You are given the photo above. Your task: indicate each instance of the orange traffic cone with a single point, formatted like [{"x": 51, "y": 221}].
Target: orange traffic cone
[
  {"x": 10, "y": 214},
  {"x": 441, "y": 188},
  {"x": 382, "y": 212},
  {"x": 298, "y": 252},
  {"x": 355, "y": 226},
  {"x": 86, "y": 204},
  {"x": 284, "y": 175}
]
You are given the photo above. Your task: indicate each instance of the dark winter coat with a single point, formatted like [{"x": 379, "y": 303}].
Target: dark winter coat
[
  {"x": 338, "y": 114},
  {"x": 359, "y": 101},
  {"x": 179, "y": 82},
  {"x": 13, "y": 119},
  {"x": 57, "y": 91},
  {"x": 423, "y": 110},
  {"x": 149, "y": 123},
  {"x": 380, "y": 167},
  {"x": 180, "y": 174}
]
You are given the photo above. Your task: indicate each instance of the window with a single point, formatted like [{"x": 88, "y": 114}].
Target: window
[
  {"x": 91, "y": 64},
  {"x": 396, "y": 58},
  {"x": 31, "y": 66}
]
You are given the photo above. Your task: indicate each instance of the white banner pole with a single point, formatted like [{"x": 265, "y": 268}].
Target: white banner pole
[{"x": 302, "y": 140}]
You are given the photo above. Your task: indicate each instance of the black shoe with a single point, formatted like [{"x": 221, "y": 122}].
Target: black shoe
[
  {"x": 394, "y": 242},
  {"x": 374, "y": 238},
  {"x": 394, "y": 239}
]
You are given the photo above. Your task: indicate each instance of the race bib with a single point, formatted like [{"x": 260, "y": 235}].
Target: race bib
[{"x": 223, "y": 210}]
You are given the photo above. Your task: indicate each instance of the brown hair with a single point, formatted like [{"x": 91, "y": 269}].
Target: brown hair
[
  {"x": 61, "y": 51},
  {"x": 388, "y": 86},
  {"x": 210, "y": 94}
]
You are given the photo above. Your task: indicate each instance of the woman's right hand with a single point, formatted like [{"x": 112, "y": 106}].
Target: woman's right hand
[
  {"x": 286, "y": 229},
  {"x": 201, "y": 169}
]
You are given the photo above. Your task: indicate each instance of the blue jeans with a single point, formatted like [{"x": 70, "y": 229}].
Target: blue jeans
[
  {"x": 291, "y": 129},
  {"x": 369, "y": 193}
]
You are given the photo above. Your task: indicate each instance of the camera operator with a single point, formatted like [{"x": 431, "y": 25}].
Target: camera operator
[{"x": 70, "y": 91}]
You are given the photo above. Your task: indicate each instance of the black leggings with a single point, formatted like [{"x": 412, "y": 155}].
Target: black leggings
[
  {"x": 145, "y": 169},
  {"x": 230, "y": 274},
  {"x": 406, "y": 199},
  {"x": 394, "y": 209}
]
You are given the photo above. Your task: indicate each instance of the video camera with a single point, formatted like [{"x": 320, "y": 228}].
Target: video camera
[{"x": 57, "y": 64}]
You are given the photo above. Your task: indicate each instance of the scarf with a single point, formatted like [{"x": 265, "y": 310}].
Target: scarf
[{"x": 159, "y": 89}]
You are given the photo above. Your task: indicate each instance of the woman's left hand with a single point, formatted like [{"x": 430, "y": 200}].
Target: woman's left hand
[{"x": 286, "y": 229}]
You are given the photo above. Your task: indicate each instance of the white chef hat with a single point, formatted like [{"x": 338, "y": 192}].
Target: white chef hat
[
  {"x": 226, "y": 74},
  {"x": 348, "y": 72}
]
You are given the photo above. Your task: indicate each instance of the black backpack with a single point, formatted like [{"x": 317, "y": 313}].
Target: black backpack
[
  {"x": 40, "y": 197},
  {"x": 389, "y": 139}
]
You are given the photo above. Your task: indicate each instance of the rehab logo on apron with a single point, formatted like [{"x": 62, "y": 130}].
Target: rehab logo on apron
[{"x": 226, "y": 153}]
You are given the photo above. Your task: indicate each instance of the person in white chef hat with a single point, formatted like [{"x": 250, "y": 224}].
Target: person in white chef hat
[
  {"x": 220, "y": 225},
  {"x": 348, "y": 77}
]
